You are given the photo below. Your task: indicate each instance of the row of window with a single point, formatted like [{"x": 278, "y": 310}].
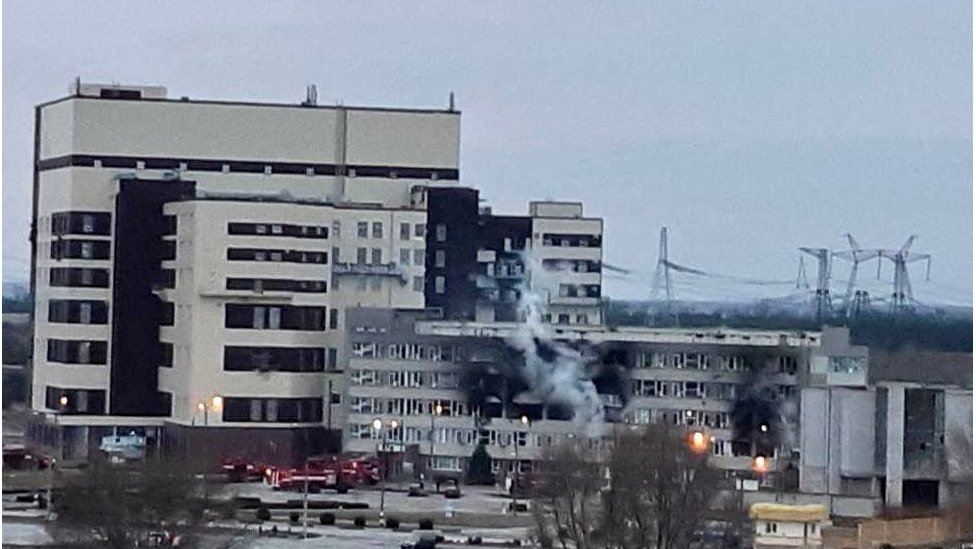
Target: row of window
[
  {"x": 579, "y": 290},
  {"x": 279, "y": 317},
  {"x": 77, "y": 311},
  {"x": 273, "y": 410},
  {"x": 407, "y": 351},
  {"x": 278, "y": 359},
  {"x": 75, "y": 401},
  {"x": 76, "y": 351},
  {"x": 78, "y": 277},
  {"x": 80, "y": 249},
  {"x": 419, "y": 256},
  {"x": 576, "y": 266},
  {"x": 565, "y": 318},
  {"x": 408, "y": 406},
  {"x": 696, "y": 389},
  {"x": 91, "y": 223},
  {"x": 715, "y": 420},
  {"x": 287, "y": 256},
  {"x": 277, "y": 285},
  {"x": 572, "y": 240},
  {"x": 419, "y": 231},
  {"x": 405, "y": 378},
  {"x": 453, "y": 435},
  {"x": 784, "y": 364},
  {"x": 277, "y": 229}
]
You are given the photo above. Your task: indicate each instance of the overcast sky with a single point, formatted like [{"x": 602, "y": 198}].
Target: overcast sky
[{"x": 749, "y": 128}]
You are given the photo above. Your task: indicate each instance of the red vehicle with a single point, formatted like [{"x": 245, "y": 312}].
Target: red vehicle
[
  {"x": 21, "y": 458},
  {"x": 332, "y": 472},
  {"x": 240, "y": 470}
]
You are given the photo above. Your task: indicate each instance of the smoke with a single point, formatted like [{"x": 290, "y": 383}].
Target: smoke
[
  {"x": 553, "y": 371},
  {"x": 762, "y": 419}
]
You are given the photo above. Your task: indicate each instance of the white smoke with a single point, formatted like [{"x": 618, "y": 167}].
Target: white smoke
[{"x": 563, "y": 379}]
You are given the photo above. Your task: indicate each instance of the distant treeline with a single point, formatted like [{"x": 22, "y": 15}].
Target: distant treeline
[
  {"x": 16, "y": 305},
  {"x": 874, "y": 329}
]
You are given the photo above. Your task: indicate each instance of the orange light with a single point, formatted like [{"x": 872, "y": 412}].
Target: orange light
[
  {"x": 759, "y": 464},
  {"x": 698, "y": 442}
]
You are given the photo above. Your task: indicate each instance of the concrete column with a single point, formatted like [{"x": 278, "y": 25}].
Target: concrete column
[{"x": 895, "y": 462}]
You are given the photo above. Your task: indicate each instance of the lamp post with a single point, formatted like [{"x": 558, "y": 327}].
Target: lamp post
[
  {"x": 384, "y": 436},
  {"x": 524, "y": 420},
  {"x": 430, "y": 463},
  {"x": 216, "y": 404}
]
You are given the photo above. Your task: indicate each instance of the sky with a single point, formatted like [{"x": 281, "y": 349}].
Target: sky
[{"x": 748, "y": 128}]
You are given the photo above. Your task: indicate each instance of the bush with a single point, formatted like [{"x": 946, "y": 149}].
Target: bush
[
  {"x": 479, "y": 467},
  {"x": 426, "y": 524},
  {"x": 263, "y": 513},
  {"x": 327, "y": 519},
  {"x": 294, "y": 517},
  {"x": 392, "y": 523},
  {"x": 359, "y": 521}
]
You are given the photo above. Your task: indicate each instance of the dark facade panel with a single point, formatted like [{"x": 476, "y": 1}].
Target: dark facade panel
[
  {"x": 452, "y": 228},
  {"x": 139, "y": 227}
]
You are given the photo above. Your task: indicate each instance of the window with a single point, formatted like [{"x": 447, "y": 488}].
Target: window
[
  {"x": 420, "y": 230},
  {"x": 333, "y": 353},
  {"x": 361, "y": 256},
  {"x": 404, "y": 256},
  {"x": 441, "y": 232},
  {"x": 418, "y": 257},
  {"x": 563, "y": 319},
  {"x": 274, "y": 317},
  {"x": 404, "y": 231},
  {"x": 78, "y": 277},
  {"x": 333, "y": 319},
  {"x": 73, "y": 311},
  {"x": 439, "y": 285},
  {"x": 418, "y": 283},
  {"x": 440, "y": 258},
  {"x": 377, "y": 229},
  {"x": 581, "y": 319},
  {"x": 377, "y": 256},
  {"x": 280, "y": 359},
  {"x": 362, "y": 229},
  {"x": 337, "y": 228}
]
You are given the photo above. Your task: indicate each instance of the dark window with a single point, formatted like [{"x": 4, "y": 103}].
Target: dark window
[
  {"x": 114, "y": 93},
  {"x": 334, "y": 319},
  {"x": 76, "y": 351},
  {"x": 77, "y": 311},
  {"x": 169, "y": 250},
  {"x": 288, "y": 256},
  {"x": 167, "y": 316},
  {"x": 79, "y": 277},
  {"x": 277, "y": 285},
  {"x": 273, "y": 410},
  {"x": 169, "y": 224},
  {"x": 279, "y": 359},
  {"x": 274, "y": 317},
  {"x": 95, "y": 223},
  {"x": 165, "y": 354},
  {"x": 75, "y": 401},
  {"x": 278, "y": 229},
  {"x": 80, "y": 249},
  {"x": 333, "y": 360}
]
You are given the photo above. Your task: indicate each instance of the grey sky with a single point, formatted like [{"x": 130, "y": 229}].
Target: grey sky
[{"x": 749, "y": 128}]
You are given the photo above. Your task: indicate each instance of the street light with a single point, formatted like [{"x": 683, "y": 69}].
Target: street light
[
  {"x": 437, "y": 411},
  {"x": 524, "y": 420},
  {"x": 216, "y": 404},
  {"x": 378, "y": 427}
]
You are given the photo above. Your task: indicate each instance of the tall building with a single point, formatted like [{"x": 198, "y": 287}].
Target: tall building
[{"x": 192, "y": 260}]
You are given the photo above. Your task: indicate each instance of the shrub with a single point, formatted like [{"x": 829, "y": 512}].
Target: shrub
[
  {"x": 327, "y": 519},
  {"x": 479, "y": 467},
  {"x": 359, "y": 521},
  {"x": 294, "y": 517},
  {"x": 426, "y": 524},
  {"x": 392, "y": 523},
  {"x": 263, "y": 513}
]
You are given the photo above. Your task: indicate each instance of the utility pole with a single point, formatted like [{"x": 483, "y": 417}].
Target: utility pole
[
  {"x": 856, "y": 255},
  {"x": 662, "y": 272},
  {"x": 901, "y": 287},
  {"x": 822, "y": 301}
]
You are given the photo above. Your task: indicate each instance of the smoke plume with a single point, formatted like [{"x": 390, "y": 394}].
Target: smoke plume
[{"x": 553, "y": 371}]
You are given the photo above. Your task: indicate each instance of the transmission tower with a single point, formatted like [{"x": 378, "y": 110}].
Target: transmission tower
[
  {"x": 821, "y": 298},
  {"x": 662, "y": 273},
  {"x": 856, "y": 255},
  {"x": 901, "y": 287}
]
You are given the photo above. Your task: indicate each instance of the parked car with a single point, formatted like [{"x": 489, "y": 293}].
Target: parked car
[
  {"x": 416, "y": 490},
  {"x": 452, "y": 492}
]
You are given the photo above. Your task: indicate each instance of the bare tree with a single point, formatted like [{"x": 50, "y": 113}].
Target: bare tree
[
  {"x": 120, "y": 506},
  {"x": 652, "y": 491},
  {"x": 567, "y": 486}
]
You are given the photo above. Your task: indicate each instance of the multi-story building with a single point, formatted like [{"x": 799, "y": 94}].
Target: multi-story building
[
  {"x": 464, "y": 382},
  {"x": 192, "y": 260}
]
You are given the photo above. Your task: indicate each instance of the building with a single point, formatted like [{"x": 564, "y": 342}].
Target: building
[
  {"x": 917, "y": 449},
  {"x": 192, "y": 260},
  {"x": 462, "y": 380},
  {"x": 779, "y": 526}
]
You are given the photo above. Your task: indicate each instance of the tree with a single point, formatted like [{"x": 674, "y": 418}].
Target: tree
[
  {"x": 479, "y": 467},
  {"x": 121, "y": 505},
  {"x": 651, "y": 491}
]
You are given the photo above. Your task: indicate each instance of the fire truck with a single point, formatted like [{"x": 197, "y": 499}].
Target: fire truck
[{"x": 324, "y": 473}]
